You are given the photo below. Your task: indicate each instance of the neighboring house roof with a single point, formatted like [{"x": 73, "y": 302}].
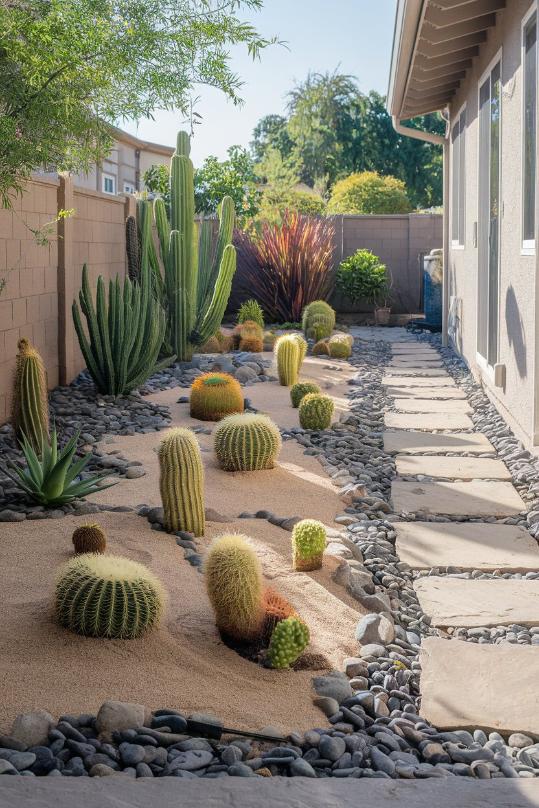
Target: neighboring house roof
[
  {"x": 143, "y": 145},
  {"x": 434, "y": 44}
]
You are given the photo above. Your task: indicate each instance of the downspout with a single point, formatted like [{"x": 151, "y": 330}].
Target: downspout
[{"x": 438, "y": 140}]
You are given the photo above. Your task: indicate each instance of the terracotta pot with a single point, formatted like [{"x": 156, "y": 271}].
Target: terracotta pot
[{"x": 382, "y": 315}]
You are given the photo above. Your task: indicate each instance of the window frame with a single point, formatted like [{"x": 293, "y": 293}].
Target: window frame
[
  {"x": 459, "y": 199},
  {"x": 104, "y": 177},
  {"x": 527, "y": 246},
  {"x": 129, "y": 188}
]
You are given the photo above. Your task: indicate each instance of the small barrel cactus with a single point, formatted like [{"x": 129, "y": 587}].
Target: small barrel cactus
[
  {"x": 226, "y": 341},
  {"x": 270, "y": 338},
  {"x": 288, "y": 641},
  {"x": 234, "y": 584},
  {"x": 215, "y": 395},
  {"x": 30, "y": 408},
  {"x": 211, "y": 346},
  {"x": 340, "y": 346},
  {"x": 108, "y": 596},
  {"x": 89, "y": 539},
  {"x": 316, "y": 411},
  {"x": 247, "y": 442},
  {"x": 251, "y": 344},
  {"x": 276, "y": 607},
  {"x": 288, "y": 354},
  {"x": 321, "y": 348},
  {"x": 244, "y": 332},
  {"x": 301, "y": 389},
  {"x": 181, "y": 482},
  {"x": 309, "y": 540},
  {"x": 318, "y": 320}
]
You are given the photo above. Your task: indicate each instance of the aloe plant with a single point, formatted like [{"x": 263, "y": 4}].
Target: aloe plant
[{"x": 51, "y": 477}]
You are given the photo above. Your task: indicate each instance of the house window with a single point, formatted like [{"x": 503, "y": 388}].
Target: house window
[
  {"x": 458, "y": 189},
  {"x": 529, "y": 62},
  {"x": 129, "y": 188},
  {"x": 109, "y": 184}
]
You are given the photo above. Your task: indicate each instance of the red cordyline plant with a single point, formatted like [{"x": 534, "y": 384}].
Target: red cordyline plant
[{"x": 287, "y": 265}]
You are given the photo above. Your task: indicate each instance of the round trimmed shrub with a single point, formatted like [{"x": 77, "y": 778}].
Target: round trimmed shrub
[
  {"x": 247, "y": 442},
  {"x": 234, "y": 585},
  {"x": 309, "y": 538},
  {"x": 369, "y": 192},
  {"x": 288, "y": 641},
  {"x": 300, "y": 389},
  {"x": 89, "y": 539},
  {"x": 316, "y": 411},
  {"x": 108, "y": 596},
  {"x": 214, "y": 395}
]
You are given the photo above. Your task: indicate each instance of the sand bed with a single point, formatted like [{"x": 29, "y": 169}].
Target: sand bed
[{"x": 184, "y": 664}]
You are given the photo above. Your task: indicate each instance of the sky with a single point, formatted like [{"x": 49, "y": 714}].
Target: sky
[{"x": 354, "y": 36}]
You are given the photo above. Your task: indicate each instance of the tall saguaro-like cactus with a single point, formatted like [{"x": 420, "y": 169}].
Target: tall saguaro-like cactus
[{"x": 198, "y": 274}]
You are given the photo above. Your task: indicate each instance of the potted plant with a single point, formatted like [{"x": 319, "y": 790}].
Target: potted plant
[{"x": 362, "y": 276}]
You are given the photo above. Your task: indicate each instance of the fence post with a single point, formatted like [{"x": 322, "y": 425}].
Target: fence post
[{"x": 65, "y": 274}]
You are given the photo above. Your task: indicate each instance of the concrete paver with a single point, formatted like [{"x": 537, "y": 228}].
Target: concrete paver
[
  {"x": 409, "y": 442},
  {"x": 428, "y": 421},
  {"x": 477, "y": 498},
  {"x": 461, "y": 468},
  {"x": 429, "y": 405}
]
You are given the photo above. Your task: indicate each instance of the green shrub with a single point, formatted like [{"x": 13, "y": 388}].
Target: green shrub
[
  {"x": 251, "y": 310},
  {"x": 368, "y": 192},
  {"x": 362, "y": 276}
]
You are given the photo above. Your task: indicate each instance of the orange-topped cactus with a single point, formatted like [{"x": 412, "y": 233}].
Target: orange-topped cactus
[{"x": 215, "y": 395}]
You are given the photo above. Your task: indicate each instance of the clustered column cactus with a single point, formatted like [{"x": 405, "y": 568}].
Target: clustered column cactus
[
  {"x": 181, "y": 482},
  {"x": 309, "y": 540},
  {"x": 198, "y": 277},
  {"x": 30, "y": 408}
]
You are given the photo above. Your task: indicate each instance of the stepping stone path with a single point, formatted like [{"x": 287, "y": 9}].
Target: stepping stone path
[{"x": 464, "y": 684}]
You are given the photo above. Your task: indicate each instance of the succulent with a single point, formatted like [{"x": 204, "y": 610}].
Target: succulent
[
  {"x": 214, "y": 395},
  {"x": 302, "y": 345},
  {"x": 248, "y": 330},
  {"x": 234, "y": 584},
  {"x": 318, "y": 320},
  {"x": 247, "y": 442},
  {"x": 288, "y": 641},
  {"x": 300, "y": 389},
  {"x": 316, "y": 411},
  {"x": 51, "y": 476},
  {"x": 198, "y": 274},
  {"x": 30, "y": 408},
  {"x": 211, "y": 346},
  {"x": 321, "y": 348},
  {"x": 270, "y": 339},
  {"x": 251, "y": 310},
  {"x": 181, "y": 482},
  {"x": 251, "y": 344},
  {"x": 132, "y": 248},
  {"x": 226, "y": 341},
  {"x": 309, "y": 538},
  {"x": 89, "y": 539},
  {"x": 276, "y": 607},
  {"x": 288, "y": 354},
  {"x": 108, "y": 596},
  {"x": 340, "y": 346}
]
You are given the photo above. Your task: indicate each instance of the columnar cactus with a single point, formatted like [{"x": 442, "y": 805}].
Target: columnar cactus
[
  {"x": 302, "y": 345},
  {"x": 318, "y": 320},
  {"x": 30, "y": 408},
  {"x": 89, "y": 539},
  {"x": 288, "y": 641},
  {"x": 301, "y": 389},
  {"x": 198, "y": 278},
  {"x": 316, "y": 411},
  {"x": 181, "y": 482},
  {"x": 309, "y": 538},
  {"x": 215, "y": 395},
  {"x": 247, "y": 442},
  {"x": 288, "y": 354},
  {"x": 234, "y": 584},
  {"x": 108, "y": 596}
]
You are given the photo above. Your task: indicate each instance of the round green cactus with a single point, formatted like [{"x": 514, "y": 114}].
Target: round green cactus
[
  {"x": 181, "y": 482},
  {"x": 309, "y": 540},
  {"x": 301, "y": 389},
  {"x": 321, "y": 348},
  {"x": 287, "y": 351},
  {"x": 108, "y": 596},
  {"x": 247, "y": 442},
  {"x": 318, "y": 320},
  {"x": 316, "y": 411},
  {"x": 89, "y": 539},
  {"x": 289, "y": 639},
  {"x": 340, "y": 346}
]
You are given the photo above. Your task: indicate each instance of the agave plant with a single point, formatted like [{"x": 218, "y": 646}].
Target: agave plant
[{"x": 51, "y": 477}]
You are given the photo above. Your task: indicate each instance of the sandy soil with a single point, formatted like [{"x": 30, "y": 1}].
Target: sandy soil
[{"x": 184, "y": 664}]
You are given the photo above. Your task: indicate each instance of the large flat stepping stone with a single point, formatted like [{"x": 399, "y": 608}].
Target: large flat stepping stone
[
  {"x": 417, "y": 371},
  {"x": 460, "y": 468},
  {"x": 417, "y": 362},
  {"x": 464, "y": 684},
  {"x": 428, "y": 421},
  {"x": 469, "y": 603},
  {"x": 412, "y": 347},
  {"x": 418, "y": 381},
  {"x": 432, "y": 405},
  {"x": 469, "y": 545},
  {"x": 401, "y": 441},
  {"x": 423, "y": 393},
  {"x": 476, "y": 498}
]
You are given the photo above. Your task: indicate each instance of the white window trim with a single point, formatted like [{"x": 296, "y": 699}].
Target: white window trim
[
  {"x": 129, "y": 188},
  {"x": 104, "y": 177},
  {"x": 527, "y": 246},
  {"x": 455, "y": 243}
]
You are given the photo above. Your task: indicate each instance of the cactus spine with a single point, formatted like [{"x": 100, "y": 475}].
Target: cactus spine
[
  {"x": 288, "y": 355},
  {"x": 181, "y": 482},
  {"x": 215, "y": 395},
  {"x": 301, "y": 389},
  {"x": 318, "y": 320},
  {"x": 198, "y": 279},
  {"x": 288, "y": 641},
  {"x": 308, "y": 543},
  {"x": 340, "y": 346},
  {"x": 302, "y": 345},
  {"x": 234, "y": 585},
  {"x": 276, "y": 608},
  {"x": 89, "y": 539},
  {"x": 321, "y": 348},
  {"x": 247, "y": 442},
  {"x": 30, "y": 409},
  {"x": 108, "y": 596},
  {"x": 316, "y": 411}
]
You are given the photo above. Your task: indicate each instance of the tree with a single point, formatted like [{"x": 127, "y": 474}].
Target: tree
[
  {"x": 271, "y": 132},
  {"x": 156, "y": 179},
  {"x": 70, "y": 68},
  {"x": 368, "y": 192},
  {"x": 234, "y": 177}
]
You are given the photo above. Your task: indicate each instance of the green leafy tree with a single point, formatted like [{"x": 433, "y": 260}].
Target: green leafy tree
[
  {"x": 271, "y": 132},
  {"x": 368, "y": 192},
  {"x": 69, "y": 68},
  {"x": 156, "y": 180},
  {"x": 234, "y": 177}
]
